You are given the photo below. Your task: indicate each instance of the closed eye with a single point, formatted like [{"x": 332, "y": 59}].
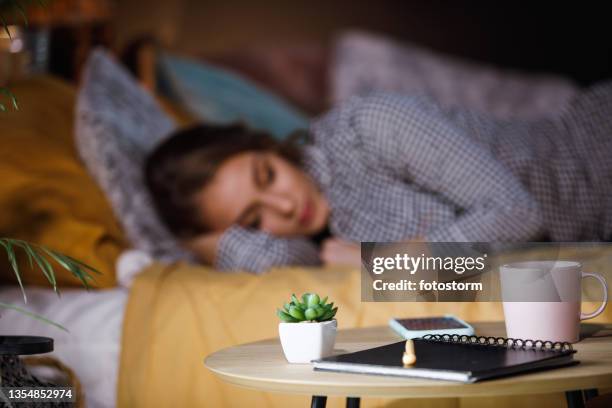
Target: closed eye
[
  {"x": 263, "y": 176},
  {"x": 270, "y": 174},
  {"x": 264, "y": 172}
]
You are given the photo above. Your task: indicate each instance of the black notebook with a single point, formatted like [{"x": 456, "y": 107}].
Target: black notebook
[{"x": 455, "y": 358}]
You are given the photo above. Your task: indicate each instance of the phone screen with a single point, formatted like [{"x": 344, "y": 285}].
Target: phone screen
[{"x": 431, "y": 323}]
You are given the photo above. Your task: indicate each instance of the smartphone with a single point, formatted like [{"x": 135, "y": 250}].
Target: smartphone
[{"x": 419, "y": 327}]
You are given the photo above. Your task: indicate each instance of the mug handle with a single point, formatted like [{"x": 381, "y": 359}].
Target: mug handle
[{"x": 601, "y": 308}]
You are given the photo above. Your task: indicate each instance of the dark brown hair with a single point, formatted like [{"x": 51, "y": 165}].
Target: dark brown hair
[{"x": 182, "y": 165}]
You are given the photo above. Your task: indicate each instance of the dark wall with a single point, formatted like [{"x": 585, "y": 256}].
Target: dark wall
[{"x": 573, "y": 39}]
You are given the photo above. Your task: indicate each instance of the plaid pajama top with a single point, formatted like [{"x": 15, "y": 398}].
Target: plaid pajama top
[{"x": 396, "y": 167}]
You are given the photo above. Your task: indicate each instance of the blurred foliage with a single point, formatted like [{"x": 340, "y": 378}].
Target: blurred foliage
[
  {"x": 6, "y": 93},
  {"x": 18, "y": 7},
  {"x": 40, "y": 257},
  {"x": 10, "y": 8}
]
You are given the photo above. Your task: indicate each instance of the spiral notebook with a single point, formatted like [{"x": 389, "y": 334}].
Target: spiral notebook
[{"x": 455, "y": 358}]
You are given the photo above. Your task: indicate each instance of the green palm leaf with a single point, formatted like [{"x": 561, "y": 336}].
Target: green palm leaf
[
  {"x": 10, "y": 252},
  {"x": 32, "y": 315},
  {"x": 13, "y": 101},
  {"x": 37, "y": 256}
]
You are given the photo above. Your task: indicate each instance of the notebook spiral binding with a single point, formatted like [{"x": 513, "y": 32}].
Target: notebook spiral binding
[{"x": 526, "y": 344}]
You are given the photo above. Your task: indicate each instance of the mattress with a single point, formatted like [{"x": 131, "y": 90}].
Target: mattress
[{"x": 91, "y": 347}]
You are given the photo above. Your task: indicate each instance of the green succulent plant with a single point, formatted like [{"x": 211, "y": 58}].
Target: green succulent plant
[{"x": 311, "y": 308}]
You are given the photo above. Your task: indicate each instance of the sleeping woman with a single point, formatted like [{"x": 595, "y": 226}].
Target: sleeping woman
[{"x": 386, "y": 168}]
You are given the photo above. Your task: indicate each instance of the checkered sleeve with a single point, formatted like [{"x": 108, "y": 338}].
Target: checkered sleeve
[
  {"x": 256, "y": 251},
  {"x": 413, "y": 137}
]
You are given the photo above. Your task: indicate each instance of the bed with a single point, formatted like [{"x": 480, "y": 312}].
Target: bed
[{"x": 144, "y": 345}]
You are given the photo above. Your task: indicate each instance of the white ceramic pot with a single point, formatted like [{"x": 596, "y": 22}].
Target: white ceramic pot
[{"x": 306, "y": 341}]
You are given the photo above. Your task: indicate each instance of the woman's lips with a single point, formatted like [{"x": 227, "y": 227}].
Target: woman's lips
[{"x": 307, "y": 213}]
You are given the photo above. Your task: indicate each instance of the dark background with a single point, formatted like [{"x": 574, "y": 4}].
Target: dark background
[
  {"x": 574, "y": 39},
  {"x": 569, "y": 38}
]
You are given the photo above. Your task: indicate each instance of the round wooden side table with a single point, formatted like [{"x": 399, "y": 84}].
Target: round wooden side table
[{"x": 261, "y": 365}]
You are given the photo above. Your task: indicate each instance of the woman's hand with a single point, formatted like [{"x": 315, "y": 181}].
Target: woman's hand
[
  {"x": 204, "y": 247},
  {"x": 335, "y": 251}
]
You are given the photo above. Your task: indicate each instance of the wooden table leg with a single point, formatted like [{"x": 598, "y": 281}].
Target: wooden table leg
[
  {"x": 318, "y": 401},
  {"x": 590, "y": 393},
  {"x": 574, "y": 399},
  {"x": 353, "y": 402}
]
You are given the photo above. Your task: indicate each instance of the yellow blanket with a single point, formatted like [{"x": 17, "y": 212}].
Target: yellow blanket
[
  {"x": 179, "y": 314},
  {"x": 46, "y": 195}
]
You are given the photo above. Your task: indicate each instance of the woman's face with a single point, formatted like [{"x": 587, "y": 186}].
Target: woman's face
[{"x": 264, "y": 191}]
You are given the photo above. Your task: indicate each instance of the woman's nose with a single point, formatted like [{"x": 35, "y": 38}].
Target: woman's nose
[{"x": 279, "y": 203}]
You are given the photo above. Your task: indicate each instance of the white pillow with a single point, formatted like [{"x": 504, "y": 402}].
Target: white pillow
[
  {"x": 117, "y": 124},
  {"x": 365, "y": 63}
]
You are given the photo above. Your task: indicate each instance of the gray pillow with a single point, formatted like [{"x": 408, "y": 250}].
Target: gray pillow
[
  {"x": 117, "y": 124},
  {"x": 364, "y": 63}
]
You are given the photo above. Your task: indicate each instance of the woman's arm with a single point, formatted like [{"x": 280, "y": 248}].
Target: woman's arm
[
  {"x": 413, "y": 138},
  {"x": 204, "y": 247},
  {"x": 239, "y": 248},
  {"x": 335, "y": 251}
]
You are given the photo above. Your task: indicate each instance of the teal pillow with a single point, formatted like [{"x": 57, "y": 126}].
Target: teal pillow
[{"x": 216, "y": 95}]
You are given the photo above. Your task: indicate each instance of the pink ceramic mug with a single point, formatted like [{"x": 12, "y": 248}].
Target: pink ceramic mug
[{"x": 542, "y": 299}]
